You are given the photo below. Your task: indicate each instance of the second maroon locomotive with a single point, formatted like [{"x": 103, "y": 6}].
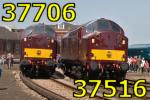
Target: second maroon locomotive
[
  {"x": 97, "y": 49},
  {"x": 38, "y": 50}
]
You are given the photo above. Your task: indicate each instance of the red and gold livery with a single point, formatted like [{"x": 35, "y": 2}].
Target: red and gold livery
[
  {"x": 97, "y": 48},
  {"x": 38, "y": 49}
]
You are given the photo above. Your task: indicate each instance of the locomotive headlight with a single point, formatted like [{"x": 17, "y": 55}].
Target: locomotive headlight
[
  {"x": 25, "y": 39},
  {"x": 52, "y": 40},
  {"x": 93, "y": 40},
  {"x": 123, "y": 42}
]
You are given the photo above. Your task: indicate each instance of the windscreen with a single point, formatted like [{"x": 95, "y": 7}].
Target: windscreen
[
  {"x": 103, "y": 25},
  {"x": 98, "y": 25},
  {"x": 38, "y": 29},
  {"x": 115, "y": 27}
]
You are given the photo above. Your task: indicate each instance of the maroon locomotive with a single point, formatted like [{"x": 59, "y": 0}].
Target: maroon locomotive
[
  {"x": 38, "y": 50},
  {"x": 97, "y": 49}
]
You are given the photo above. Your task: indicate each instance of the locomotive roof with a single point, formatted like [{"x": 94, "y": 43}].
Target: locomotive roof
[
  {"x": 99, "y": 30},
  {"x": 139, "y": 46},
  {"x": 38, "y": 29},
  {"x": 96, "y": 27},
  {"x": 67, "y": 34}
]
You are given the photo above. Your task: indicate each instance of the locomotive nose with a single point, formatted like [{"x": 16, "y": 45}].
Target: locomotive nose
[
  {"x": 38, "y": 40},
  {"x": 109, "y": 40},
  {"x": 113, "y": 40}
]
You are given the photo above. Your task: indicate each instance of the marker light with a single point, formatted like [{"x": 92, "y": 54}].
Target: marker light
[
  {"x": 93, "y": 40},
  {"x": 25, "y": 39},
  {"x": 123, "y": 42},
  {"x": 52, "y": 40}
]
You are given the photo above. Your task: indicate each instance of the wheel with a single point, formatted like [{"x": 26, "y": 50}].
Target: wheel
[
  {"x": 125, "y": 67},
  {"x": 85, "y": 76},
  {"x": 22, "y": 69},
  {"x": 67, "y": 70}
]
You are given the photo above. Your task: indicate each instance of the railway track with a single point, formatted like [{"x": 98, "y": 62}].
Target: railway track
[
  {"x": 69, "y": 86},
  {"x": 147, "y": 84},
  {"x": 89, "y": 91},
  {"x": 50, "y": 95}
]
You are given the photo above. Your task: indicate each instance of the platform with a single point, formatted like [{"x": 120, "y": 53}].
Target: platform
[{"x": 10, "y": 89}]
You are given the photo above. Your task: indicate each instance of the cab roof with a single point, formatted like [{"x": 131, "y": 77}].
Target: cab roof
[{"x": 38, "y": 29}]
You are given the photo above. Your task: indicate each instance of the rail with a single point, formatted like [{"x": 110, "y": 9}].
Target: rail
[{"x": 50, "y": 95}]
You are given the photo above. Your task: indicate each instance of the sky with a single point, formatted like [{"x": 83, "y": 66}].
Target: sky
[{"x": 132, "y": 15}]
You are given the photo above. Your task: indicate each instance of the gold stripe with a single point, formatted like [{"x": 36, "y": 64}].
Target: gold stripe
[
  {"x": 38, "y": 53},
  {"x": 116, "y": 55}
]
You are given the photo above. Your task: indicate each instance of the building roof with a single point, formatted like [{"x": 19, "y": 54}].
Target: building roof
[{"x": 7, "y": 34}]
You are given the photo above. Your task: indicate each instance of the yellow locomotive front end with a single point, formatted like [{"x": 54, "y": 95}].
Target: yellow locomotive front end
[
  {"x": 107, "y": 51},
  {"x": 38, "y": 52}
]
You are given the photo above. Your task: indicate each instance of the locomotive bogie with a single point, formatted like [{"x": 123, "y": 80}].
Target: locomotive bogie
[{"x": 37, "y": 67}]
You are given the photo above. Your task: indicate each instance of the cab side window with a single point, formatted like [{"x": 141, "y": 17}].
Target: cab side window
[
  {"x": 90, "y": 28},
  {"x": 49, "y": 31},
  {"x": 115, "y": 27}
]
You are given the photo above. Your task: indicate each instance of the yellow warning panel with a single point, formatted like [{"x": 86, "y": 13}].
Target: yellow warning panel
[
  {"x": 108, "y": 54},
  {"x": 38, "y": 53}
]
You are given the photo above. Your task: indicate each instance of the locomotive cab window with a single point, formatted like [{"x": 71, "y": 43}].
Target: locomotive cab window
[
  {"x": 90, "y": 28},
  {"x": 115, "y": 27},
  {"x": 27, "y": 32},
  {"x": 39, "y": 29},
  {"x": 103, "y": 25},
  {"x": 49, "y": 30}
]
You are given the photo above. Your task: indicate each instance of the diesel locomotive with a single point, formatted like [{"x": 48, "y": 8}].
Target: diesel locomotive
[
  {"x": 97, "y": 49},
  {"x": 38, "y": 50}
]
